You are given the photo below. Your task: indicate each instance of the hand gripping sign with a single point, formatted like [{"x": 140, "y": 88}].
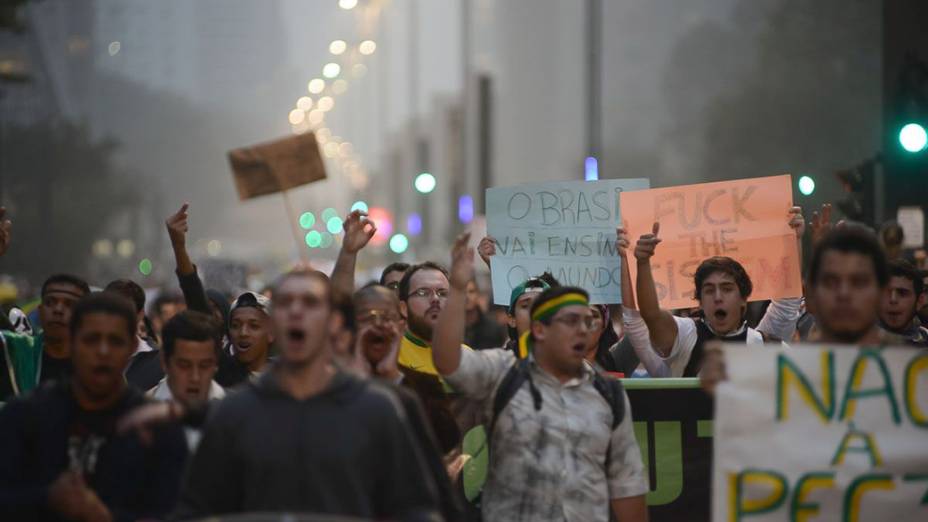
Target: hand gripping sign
[{"x": 747, "y": 220}]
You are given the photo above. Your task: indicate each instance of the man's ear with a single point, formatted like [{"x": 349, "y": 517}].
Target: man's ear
[
  {"x": 538, "y": 330},
  {"x": 404, "y": 310},
  {"x": 511, "y": 320},
  {"x": 920, "y": 302}
]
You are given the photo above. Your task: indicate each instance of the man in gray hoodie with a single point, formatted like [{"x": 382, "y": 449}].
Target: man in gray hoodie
[{"x": 308, "y": 437}]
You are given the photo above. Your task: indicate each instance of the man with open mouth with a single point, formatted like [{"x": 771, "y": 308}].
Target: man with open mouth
[
  {"x": 903, "y": 297},
  {"x": 62, "y": 456},
  {"x": 251, "y": 333},
  {"x": 307, "y": 436},
  {"x": 190, "y": 357},
  {"x": 722, "y": 287},
  {"x": 554, "y": 421}
]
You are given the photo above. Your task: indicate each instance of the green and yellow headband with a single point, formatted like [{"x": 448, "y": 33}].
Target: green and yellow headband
[{"x": 547, "y": 309}]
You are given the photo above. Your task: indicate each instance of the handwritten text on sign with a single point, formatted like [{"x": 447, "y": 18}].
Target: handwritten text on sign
[
  {"x": 747, "y": 220},
  {"x": 566, "y": 228},
  {"x": 820, "y": 433}
]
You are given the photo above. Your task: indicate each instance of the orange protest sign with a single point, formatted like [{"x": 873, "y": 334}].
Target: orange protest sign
[{"x": 747, "y": 220}]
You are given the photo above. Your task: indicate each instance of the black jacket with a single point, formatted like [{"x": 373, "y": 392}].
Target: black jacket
[
  {"x": 347, "y": 451},
  {"x": 37, "y": 432}
]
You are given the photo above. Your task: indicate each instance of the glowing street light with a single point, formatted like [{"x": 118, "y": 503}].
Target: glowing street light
[
  {"x": 304, "y": 103},
  {"x": 296, "y": 116},
  {"x": 367, "y": 47},
  {"x": 316, "y": 85},
  {"x": 806, "y": 185},
  {"x": 337, "y": 47},
  {"x": 913, "y": 137},
  {"x": 425, "y": 183},
  {"x": 331, "y": 70},
  {"x": 399, "y": 243}
]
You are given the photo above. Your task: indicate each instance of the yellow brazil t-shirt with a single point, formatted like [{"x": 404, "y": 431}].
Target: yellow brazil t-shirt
[{"x": 416, "y": 354}]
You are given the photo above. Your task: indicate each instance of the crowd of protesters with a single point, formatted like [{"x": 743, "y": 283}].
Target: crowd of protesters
[{"x": 322, "y": 397}]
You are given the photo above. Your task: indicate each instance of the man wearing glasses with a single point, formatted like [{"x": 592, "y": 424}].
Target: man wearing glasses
[
  {"x": 423, "y": 292},
  {"x": 561, "y": 448}
]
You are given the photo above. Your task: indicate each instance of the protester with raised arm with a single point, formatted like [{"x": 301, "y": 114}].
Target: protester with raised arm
[
  {"x": 722, "y": 287},
  {"x": 562, "y": 445}
]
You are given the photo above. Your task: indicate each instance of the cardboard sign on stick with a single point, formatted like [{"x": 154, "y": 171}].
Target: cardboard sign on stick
[
  {"x": 274, "y": 167},
  {"x": 747, "y": 220}
]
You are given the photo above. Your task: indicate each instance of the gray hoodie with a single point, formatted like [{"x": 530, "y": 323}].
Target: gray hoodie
[{"x": 346, "y": 451}]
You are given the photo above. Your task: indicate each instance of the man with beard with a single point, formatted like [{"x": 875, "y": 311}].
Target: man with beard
[
  {"x": 423, "y": 292},
  {"x": 60, "y": 456},
  {"x": 722, "y": 287},
  {"x": 31, "y": 360},
  {"x": 306, "y": 436},
  {"x": 904, "y": 295}
]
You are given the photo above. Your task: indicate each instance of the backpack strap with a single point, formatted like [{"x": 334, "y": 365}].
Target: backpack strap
[
  {"x": 611, "y": 390},
  {"x": 515, "y": 377}
]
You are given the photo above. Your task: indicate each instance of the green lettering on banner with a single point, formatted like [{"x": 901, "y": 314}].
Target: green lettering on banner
[
  {"x": 789, "y": 373},
  {"x": 800, "y": 510},
  {"x": 740, "y": 507},
  {"x": 852, "y": 392},
  {"x": 869, "y": 447},
  {"x": 918, "y": 416},
  {"x": 857, "y": 489},
  {"x": 918, "y": 477}
]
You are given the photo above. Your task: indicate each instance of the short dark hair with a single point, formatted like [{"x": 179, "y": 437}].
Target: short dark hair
[
  {"x": 109, "y": 303},
  {"x": 549, "y": 279},
  {"x": 905, "y": 269},
  {"x": 130, "y": 290},
  {"x": 375, "y": 291},
  {"x": 850, "y": 238},
  {"x": 65, "y": 279},
  {"x": 726, "y": 265},
  {"x": 393, "y": 267},
  {"x": 554, "y": 293},
  {"x": 189, "y": 325},
  {"x": 411, "y": 271},
  {"x": 310, "y": 273},
  {"x": 165, "y": 298}
]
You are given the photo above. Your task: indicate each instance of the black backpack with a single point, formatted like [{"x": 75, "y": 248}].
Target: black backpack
[{"x": 610, "y": 389}]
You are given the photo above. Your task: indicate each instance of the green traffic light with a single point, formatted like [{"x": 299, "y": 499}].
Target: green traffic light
[{"x": 913, "y": 137}]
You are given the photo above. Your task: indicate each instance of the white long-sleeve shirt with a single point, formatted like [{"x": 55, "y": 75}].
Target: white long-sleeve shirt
[{"x": 778, "y": 321}]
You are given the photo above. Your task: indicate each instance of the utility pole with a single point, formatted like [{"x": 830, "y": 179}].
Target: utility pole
[{"x": 593, "y": 160}]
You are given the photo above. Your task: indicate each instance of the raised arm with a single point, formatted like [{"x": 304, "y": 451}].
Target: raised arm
[
  {"x": 449, "y": 330},
  {"x": 621, "y": 246},
  {"x": 661, "y": 326},
  {"x": 358, "y": 232},
  {"x": 487, "y": 249},
  {"x": 190, "y": 284}
]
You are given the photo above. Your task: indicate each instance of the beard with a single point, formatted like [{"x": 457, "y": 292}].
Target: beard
[{"x": 420, "y": 327}]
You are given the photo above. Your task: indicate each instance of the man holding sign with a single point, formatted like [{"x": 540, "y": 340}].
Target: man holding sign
[{"x": 722, "y": 286}]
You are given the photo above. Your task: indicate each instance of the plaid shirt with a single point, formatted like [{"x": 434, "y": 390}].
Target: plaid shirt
[{"x": 550, "y": 464}]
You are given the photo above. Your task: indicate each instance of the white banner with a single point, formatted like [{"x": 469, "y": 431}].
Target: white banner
[
  {"x": 819, "y": 433},
  {"x": 563, "y": 227}
]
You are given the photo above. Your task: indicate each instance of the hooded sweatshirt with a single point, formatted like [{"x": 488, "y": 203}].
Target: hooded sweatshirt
[
  {"x": 348, "y": 451},
  {"x": 47, "y": 433}
]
